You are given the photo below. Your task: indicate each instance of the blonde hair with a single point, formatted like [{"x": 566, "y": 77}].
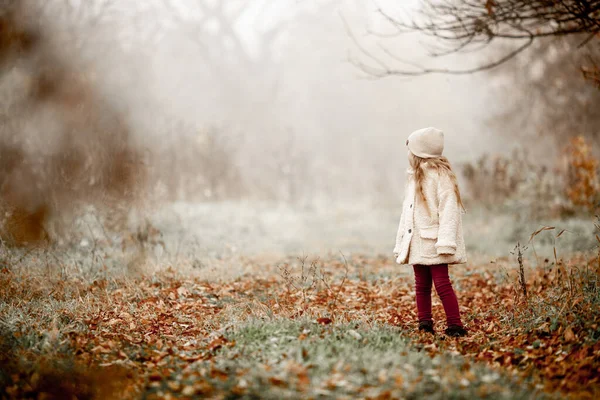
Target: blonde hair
[{"x": 441, "y": 165}]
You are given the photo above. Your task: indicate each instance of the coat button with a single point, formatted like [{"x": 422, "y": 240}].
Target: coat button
[
  {"x": 411, "y": 206},
  {"x": 410, "y": 231}
]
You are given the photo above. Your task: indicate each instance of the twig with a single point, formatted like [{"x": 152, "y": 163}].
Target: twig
[
  {"x": 519, "y": 252},
  {"x": 343, "y": 280}
]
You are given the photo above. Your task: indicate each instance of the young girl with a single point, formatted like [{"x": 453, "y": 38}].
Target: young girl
[{"x": 430, "y": 233}]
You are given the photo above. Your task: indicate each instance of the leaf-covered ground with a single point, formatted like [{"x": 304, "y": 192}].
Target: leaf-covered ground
[{"x": 332, "y": 328}]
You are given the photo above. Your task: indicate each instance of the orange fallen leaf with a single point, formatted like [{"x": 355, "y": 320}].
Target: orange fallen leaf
[
  {"x": 303, "y": 379},
  {"x": 569, "y": 335},
  {"x": 275, "y": 381},
  {"x": 216, "y": 373}
]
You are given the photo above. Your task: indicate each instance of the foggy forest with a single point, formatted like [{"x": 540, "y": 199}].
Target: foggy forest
[{"x": 201, "y": 198}]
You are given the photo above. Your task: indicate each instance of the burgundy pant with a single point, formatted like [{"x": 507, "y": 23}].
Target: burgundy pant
[{"x": 424, "y": 275}]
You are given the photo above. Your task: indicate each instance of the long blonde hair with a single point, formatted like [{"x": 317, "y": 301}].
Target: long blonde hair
[{"x": 441, "y": 165}]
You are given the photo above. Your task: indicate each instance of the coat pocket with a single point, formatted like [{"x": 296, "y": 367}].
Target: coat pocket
[{"x": 429, "y": 235}]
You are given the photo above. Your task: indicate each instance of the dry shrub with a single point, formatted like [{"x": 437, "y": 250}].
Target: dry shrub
[
  {"x": 583, "y": 183},
  {"x": 561, "y": 291},
  {"x": 61, "y": 144},
  {"x": 493, "y": 179},
  {"x": 311, "y": 290},
  {"x": 568, "y": 187},
  {"x": 506, "y": 180}
]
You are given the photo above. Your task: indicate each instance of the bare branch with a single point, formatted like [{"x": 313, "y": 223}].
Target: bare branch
[
  {"x": 592, "y": 73},
  {"x": 466, "y": 26}
]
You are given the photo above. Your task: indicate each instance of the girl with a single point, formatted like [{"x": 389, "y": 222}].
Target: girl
[{"x": 430, "y": 232}]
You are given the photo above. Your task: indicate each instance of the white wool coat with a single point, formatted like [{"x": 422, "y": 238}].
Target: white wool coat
[{"x": 430, "y": 234}]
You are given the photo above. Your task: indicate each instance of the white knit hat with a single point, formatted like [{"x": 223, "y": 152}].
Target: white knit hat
[{"x": 426, "y": 143}]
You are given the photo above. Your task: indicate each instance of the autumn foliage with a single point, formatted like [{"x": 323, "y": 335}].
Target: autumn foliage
[{"x": 583, "y": 180}]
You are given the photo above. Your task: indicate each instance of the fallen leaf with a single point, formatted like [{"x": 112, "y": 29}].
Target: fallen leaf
[
  {"x": 569, "y": 335},
  {"x": 188, "y": 391},
  {"x": 276, "y": 381},
  {"x": 183, "y": 292}
]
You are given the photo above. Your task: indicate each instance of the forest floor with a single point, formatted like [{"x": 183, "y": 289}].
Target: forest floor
[{"x": 337, "y": 327}]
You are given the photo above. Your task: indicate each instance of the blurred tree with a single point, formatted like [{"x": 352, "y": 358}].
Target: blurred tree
[
  {"x": 62, "y": 144},
  {"x": 241, "y": 44},
  {"x": 543, "y": 93},
  {"x": 240, "y": 40},
  {"x": 592, "y": 73}
]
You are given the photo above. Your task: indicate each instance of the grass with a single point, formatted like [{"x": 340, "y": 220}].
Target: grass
[
  {"x": 284, "y": 359},
  {"x": 256, "y": 333},
  {"x": 568, "y": 302}
]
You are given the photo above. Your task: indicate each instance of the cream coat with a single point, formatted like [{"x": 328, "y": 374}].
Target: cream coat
[{"x": 435, "y": 236}]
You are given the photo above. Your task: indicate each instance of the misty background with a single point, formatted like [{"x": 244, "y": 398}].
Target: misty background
[{"x": 219, "y": 128}]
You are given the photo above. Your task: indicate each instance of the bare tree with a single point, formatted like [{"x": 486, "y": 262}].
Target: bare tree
[
  {"x": 231, "y": 56},
  {"x": 542, "y": 92},
  {"x": 467, "y": 25}
]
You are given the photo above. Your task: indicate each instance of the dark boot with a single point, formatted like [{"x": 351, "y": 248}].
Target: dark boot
[
  {"x": 456, "y": 331},
  {"x": 426, "y": 326}
]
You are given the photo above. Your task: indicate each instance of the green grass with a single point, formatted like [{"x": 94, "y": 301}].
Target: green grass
[{"x": 276, "y": 359}]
